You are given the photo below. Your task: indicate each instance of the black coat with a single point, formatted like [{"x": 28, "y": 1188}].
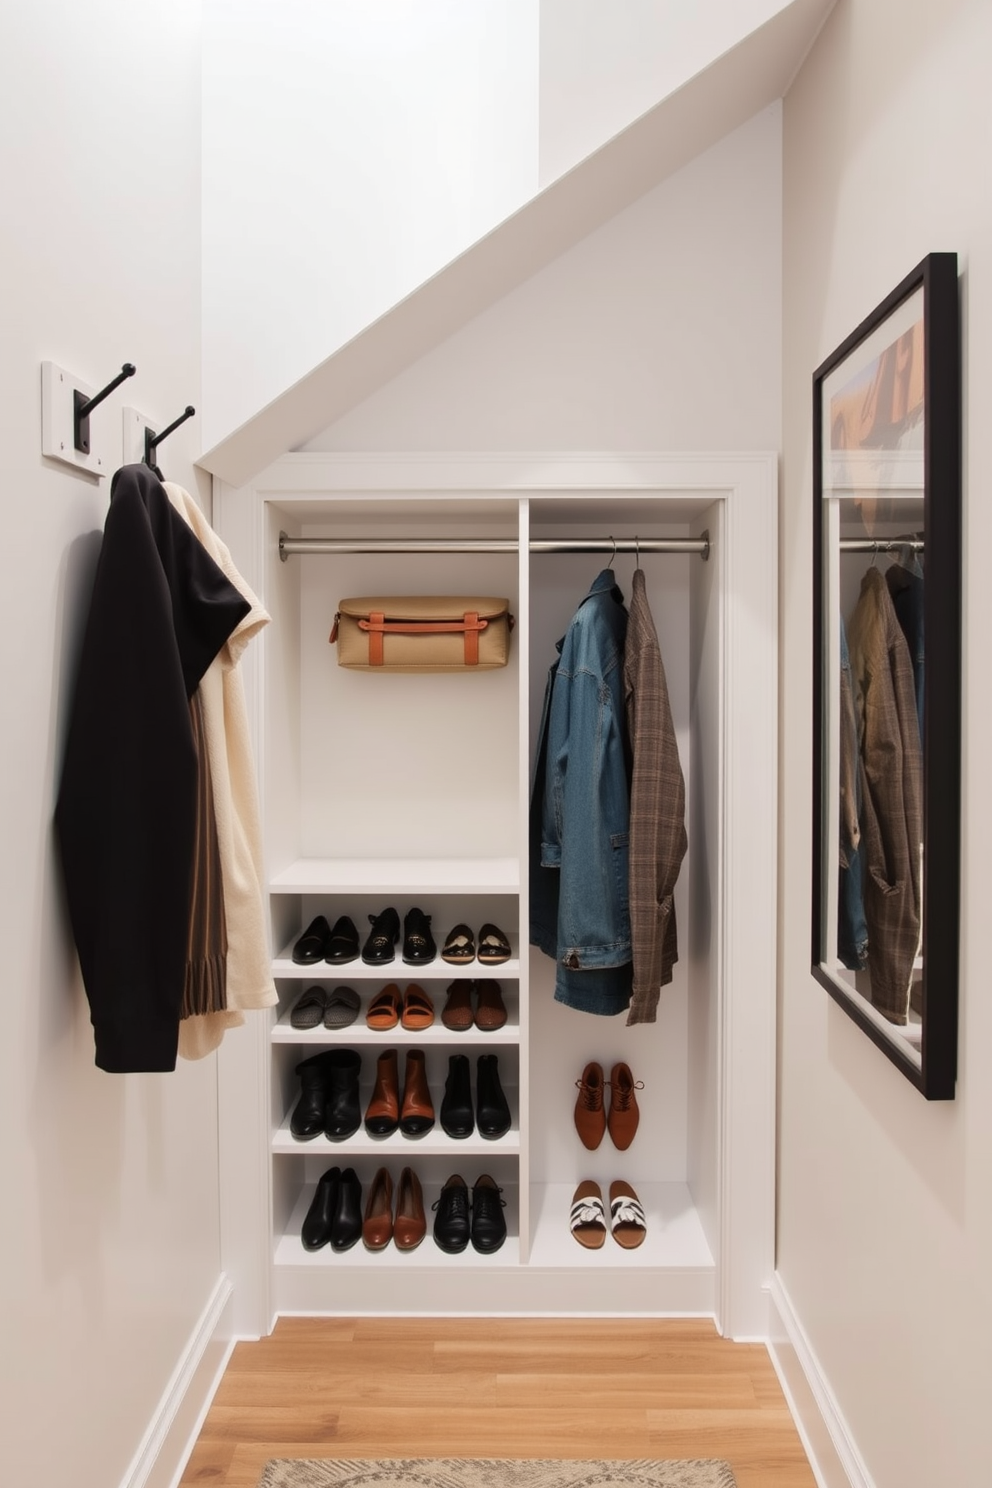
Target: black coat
[{"x": 126, "y": 811}]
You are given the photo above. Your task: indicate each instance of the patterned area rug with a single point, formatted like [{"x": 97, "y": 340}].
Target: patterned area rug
[{"x": 493, "y": 1472}]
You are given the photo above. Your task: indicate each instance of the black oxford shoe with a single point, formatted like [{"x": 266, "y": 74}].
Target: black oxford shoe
[
  {"x": 316, "y": 1230},
  {"x": 380, "y": 948},
  {"x": 456, "y": 1105},
  {"x": 451, "y": 1216},
  {"x": 488, "y": 1224},
  {"x": 492, "y": 1114}
]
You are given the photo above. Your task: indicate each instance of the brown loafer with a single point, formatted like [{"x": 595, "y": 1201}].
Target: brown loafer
[
  {"x": 457, "y": 1011},
  {"x": 490, "y": 1011},
  {"x": 410, "y": 1224},
  {"x": 624, "y": 1114},
  {"x": 377, "y": 1226},
  {"x": 590, "y": 1113}
]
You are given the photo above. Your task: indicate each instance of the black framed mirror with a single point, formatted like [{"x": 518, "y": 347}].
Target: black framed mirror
[{"x": 887, "y": 674}]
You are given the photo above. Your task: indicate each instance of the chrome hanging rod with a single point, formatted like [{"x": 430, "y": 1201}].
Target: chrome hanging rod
[
  {"x": 887, "y": 545},
  {"x": 288, "y": 545}
]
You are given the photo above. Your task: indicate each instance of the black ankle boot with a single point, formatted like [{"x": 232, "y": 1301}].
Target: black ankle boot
[
  {"x": 316, "y": 1230},
  {"x": 456, "y": 1106},
  {"x": 491, "y": 1110},
  {"x": 307, "y": 1120},
  {"x": 342, "y": 1111}
]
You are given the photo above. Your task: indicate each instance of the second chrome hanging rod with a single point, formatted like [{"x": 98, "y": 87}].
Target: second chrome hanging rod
[{"x": 288, "y": 545}]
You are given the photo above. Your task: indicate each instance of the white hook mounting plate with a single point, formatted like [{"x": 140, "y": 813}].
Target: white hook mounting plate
[{"x": 58, "y": 422}]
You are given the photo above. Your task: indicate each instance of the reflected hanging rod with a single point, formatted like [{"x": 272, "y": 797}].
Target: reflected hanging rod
[
  {"x": 288, "y": 545},
  {"x": 884, "y": 545}
]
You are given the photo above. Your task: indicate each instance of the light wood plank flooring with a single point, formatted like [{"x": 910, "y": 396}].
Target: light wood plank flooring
[{"x": 509, "y": 1387}]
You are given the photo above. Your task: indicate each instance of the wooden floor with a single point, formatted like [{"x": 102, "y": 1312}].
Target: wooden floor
[{"x": 484, "y": 1387}]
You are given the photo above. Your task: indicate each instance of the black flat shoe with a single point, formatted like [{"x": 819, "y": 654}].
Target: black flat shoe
[
  {"x": 418, "y": 942},
  {"x": 492, "y": 1113},
  {"x": 488, "y": 1224},
  {"x": 346, "y": 1226},
  {"x": 342, "y": 943},
  {"x": 316, "y": 1229},
  {"x": 380, "y": 948},
  {"x": 451, "y": 1218},
  {"x": 310, "y": 946},
  {"x": 456, "y": 1105}
]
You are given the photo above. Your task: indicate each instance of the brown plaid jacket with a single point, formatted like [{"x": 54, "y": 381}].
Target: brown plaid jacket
[
  {"x": 657, "y": 810},
  {"x": 892, "y": 794}
]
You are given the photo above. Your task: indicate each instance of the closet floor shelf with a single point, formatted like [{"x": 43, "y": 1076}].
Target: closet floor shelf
[{"x": 289, "y": 1251}]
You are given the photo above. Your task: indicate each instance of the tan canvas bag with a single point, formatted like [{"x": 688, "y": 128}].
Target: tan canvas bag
[{"x": 422, "y": 633}]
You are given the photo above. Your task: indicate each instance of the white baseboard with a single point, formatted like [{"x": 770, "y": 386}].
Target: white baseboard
[
  {"x": 175, "y": 1424},
  {"x": 829, "y": 1445}
]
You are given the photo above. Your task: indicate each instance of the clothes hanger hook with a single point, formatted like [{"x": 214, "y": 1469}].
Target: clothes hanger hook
[
  {"x": 637, "y": 551},
  {"x": 613, "y": 555}
]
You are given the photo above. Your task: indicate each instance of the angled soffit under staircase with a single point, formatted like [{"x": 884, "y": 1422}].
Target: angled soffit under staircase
[{"x": 709, "y": 106}]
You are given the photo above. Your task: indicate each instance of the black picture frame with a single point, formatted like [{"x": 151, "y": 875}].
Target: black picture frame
[{"x": 924, "y": 307}]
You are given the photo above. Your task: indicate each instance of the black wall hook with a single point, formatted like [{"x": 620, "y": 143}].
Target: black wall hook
[
  {"x": 152, "y": 440},
  {"x": 82, "y": 407}
]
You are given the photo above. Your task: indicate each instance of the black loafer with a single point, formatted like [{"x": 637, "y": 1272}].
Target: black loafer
[
  {"x": 488, "y": 1224},
  {"x": 451, "y": 1217},
  {"x": 316, "y": 1230},
  {"x": 380, "y": 948},
  {"x": 418, "y": 942},
  {"x": 310, "y": 946},
  {"x": 346, "y": 1226},
  {"x": 342, "y": 943}
]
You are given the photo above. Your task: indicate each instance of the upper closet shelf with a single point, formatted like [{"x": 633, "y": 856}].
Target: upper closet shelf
[{"x": 398, "y": 876}]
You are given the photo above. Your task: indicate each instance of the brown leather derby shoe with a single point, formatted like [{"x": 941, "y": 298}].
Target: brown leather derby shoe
[{"x": 590, "y": 1113}]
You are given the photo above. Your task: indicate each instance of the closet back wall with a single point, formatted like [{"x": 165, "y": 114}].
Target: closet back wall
[{"x": 111, "y": 1250}]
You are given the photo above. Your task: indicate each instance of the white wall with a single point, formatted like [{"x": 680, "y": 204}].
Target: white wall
[
  {"x": 885, "y": 1208},
  {"x": 349, "y": 151},
  {"x": 661, "y": 330},
  {"x": 110, "y": 1228},
  {"x": 602, "y": 65}
]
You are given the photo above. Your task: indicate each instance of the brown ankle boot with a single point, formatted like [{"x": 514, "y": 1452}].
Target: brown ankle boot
[
  {"x": 624, "y": 1114},
  {"x": 417, "y": 1111},
  {"x": 590, "y": 1113},
  {"x": 383, "y": 1113}
]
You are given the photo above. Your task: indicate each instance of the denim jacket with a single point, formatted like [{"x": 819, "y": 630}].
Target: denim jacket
[{"x": 580, "y": 811}]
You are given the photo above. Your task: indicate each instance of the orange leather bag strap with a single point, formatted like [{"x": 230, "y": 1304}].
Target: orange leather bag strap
[{"x": 378, "y": 627}]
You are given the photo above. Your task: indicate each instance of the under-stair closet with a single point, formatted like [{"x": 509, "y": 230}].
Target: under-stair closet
[{"x": 413, "y": 790}]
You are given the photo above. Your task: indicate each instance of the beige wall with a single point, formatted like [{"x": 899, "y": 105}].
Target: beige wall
[
  {"x": 110, "y": 1244},
  {"x": 885, "y": 1202}
]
